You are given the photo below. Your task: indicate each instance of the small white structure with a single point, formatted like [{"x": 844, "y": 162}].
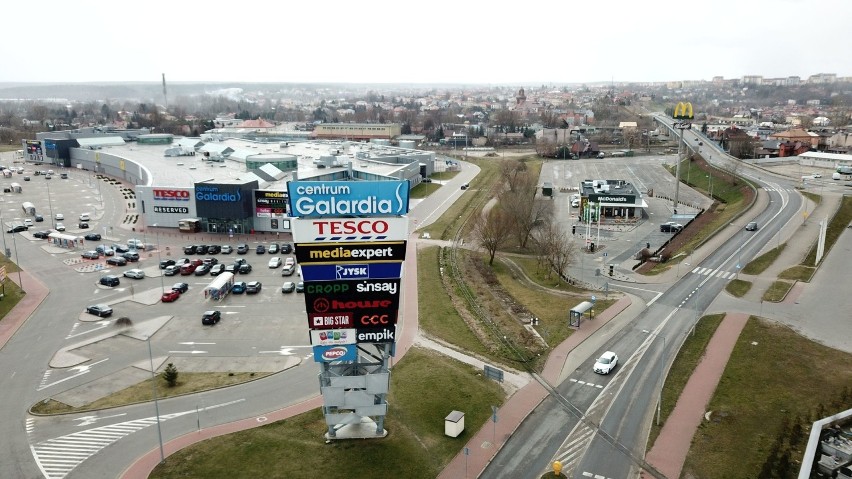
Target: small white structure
[{"x": 454, "y": 424}]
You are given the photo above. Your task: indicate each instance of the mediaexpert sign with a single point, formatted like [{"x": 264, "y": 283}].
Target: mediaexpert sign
[
  {"x": 332, "y": 272},
  {"x": 340, "y": 253},
  {"x": 270, "y": 203},
  {"x": 309, "y": 230},
  {"x": 348, "y": 198},
  {"x": 332, "y": 337},
  {"x": 342, "y": 352}
]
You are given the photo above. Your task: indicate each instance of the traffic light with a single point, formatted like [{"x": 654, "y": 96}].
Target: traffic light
[
  {"x": 611, "y": 268},
  {"x": 591, "y": 247},
  {"x": 573, "y": 229}
]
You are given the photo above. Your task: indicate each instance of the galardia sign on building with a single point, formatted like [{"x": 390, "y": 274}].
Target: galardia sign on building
[{"x": 310, "y": 199}]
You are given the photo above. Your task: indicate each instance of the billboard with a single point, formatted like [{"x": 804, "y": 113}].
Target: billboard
[
  {"x": 331, "y": 272},
  {"x": 332, "y": 337},
  {"x": 383, "y": 335},
  {"x": 349, "y": 229},
  {"x": 343, "y": 352},
  {"x": 341, "y": 253},
  {"x": 348, "y": 198},
  {"x": 224, "y": 200},
  {"x": 270, "y": 203},
  {"x": 362, "y": 304}
]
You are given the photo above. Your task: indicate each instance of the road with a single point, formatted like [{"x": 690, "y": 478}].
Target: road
[{"x": 608, "y": 439}]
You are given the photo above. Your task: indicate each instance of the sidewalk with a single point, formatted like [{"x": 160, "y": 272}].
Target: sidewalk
[{"x": 36, "y": 291}]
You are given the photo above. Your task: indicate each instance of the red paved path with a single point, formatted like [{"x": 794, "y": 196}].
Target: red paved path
[{"x": 36, "y": 292}]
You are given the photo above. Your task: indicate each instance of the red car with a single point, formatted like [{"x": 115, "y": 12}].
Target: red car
[{"x": 170, "y": 296}]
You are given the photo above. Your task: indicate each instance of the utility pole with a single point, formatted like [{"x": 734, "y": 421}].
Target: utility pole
[{"x": 683, "y": 115}]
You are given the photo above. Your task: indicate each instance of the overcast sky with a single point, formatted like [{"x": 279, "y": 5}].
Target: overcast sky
[{"x": 433, "y": 41}]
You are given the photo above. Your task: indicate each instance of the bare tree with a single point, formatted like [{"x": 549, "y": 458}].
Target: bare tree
[
  {"x": 513, "y": 172},
  {"x": 492, "y": 230},
  {"x": 524, "y": 209},
  {"x": 554, "y": 248}
]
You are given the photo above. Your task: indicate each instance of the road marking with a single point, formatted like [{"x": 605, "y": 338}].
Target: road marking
[
  {"x": 57, "y": 457},
  {"x": 81, "y": 370},
  {"x": 188, "y": 352},
  {"x": 86, "y": 420},
  {"x": 191, "y": 343},
  {"x": 282, "y": 352}
]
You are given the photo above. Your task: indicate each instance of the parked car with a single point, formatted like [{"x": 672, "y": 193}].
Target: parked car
[
  {"x": 137, "y": 244},
  {"x": 109, "y": 280},
  {"x": 42, "y": 234},
  {"x": 214, "y": 249},
  {"x": 227, "y": 249},
  {"x": 59, "y": 217},
  {"x": 189, "y": 249},
  {"x": 286, "y": 248},
  {"x": 17, "y": 228},
  {"x": 465, "y": 186},
  {"x": 180, "y": 287},
  {"x": 232, "y": 268},
  {"x": 245, "y": 268},
  {"x": 202, "y": 269},
  {"x": 274, "y": 262},
  {"x": 288, "y": 287},
  {"x": 134, "y": 273},
  {"x": 606, "y": 363},
  {"x": 239, "y": 287},
  {"x": 39, "y": 218},
  {"x": 28, "y": 222},
  {"x": 752, "y": 226},
  {"x": 116, "y": 261},
  {"x": 91, "y": 255},
  {"x": 170, "y": 296},
  {"x": 300, "y": 287},
  {"x": 670, "y": 227},
  {"x": 85, "y": 217},
  {"x": 242, "y": 248},
  {"x": 92, "y": 237},
  {"x": 166, "y": 262},
  {"x": 101, "y": 310},
  {"x": 217, "y": 269},
  {"x": 59, "y": 227},
  {"x": 202, "y": 249},
  {"x": 130, "y": 256},
  {"x": 104, "y": 250},
  {"x": 288, "y": 270},
  {"x": 187, "y": 269},
  {"x": 253, "y": 287},
  {"x": 120, "y": 248},
  {"x": 171, "y": 270},
  {"x": 211, "y": 317},
  {"x": 210, "y": 261},
  {"x": 273, "y": 248}
]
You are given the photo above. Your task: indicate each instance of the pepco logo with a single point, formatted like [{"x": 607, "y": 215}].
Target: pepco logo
[
  {"x": 171, "y": 195},
  {"x": 336, "y": 352}
]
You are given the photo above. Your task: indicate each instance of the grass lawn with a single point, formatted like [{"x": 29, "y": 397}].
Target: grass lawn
[
  {"x": 415, "y": 447},
  {"x": 774, "y": 380},
  {"x": 11, "y": 292},
  {"x": 424, "y": 189},
  {"x": 836, "y": 226},
  {"x": 738, "y": 287},
  {"x": 798, "y": 272},
  {"x": 777, "y": 291},
  {"x": 759, "y": 264},
  {"x": 187, "y": 383}
]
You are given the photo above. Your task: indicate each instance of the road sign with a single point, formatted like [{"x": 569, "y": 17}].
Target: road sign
[
  {"x": 605, "y": 253},
  {"x": 594, "y": 298}
]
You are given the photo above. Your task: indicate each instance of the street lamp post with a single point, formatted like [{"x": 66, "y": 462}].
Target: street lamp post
[
  {"x": 18, "y": 263},
  {"x": 156, "y": 401},
  {"x": 50, "y": 205},
  {"x": 662, "y": 362},
  {"x": 159, "y": 258}
]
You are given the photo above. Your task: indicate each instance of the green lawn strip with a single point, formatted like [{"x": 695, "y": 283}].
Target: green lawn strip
[
  {"x": 774, "y": 377},
  {"x": 425, "y": 387},
  {"x": 425, "y": 189},
  {"x": 759, "y": 264},
  {"x": 777, "y": 291},
  {"x": 798, "y": 272},
  {"x": 444, "y": 175},
  {"x": 738, "y": 287},
  {"x": 839, "y": 222},
  {"x": 438, "y": 315},
  {"x": 812, "y": 196},
  {"x": 187, "y": 383},
  {"x": 12, "y": 294},
  {"x": 539, "y": 275},
  {"x": 688, "y": 357}
]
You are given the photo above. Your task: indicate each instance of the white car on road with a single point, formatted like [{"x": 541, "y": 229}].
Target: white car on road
[
  {"x": 606, "y": 363},
  {"x": 134, "y": 273}
]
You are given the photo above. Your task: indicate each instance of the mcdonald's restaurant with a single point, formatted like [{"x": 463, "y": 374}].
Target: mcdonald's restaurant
[{"x": 614, "y": 199}]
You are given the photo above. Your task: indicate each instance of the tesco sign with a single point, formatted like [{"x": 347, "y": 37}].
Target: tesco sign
[
  {"x": 161, "y": 194},
  {"x": 319, "y": 230}
]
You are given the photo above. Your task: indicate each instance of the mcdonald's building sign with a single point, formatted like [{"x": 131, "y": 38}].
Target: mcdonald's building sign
[{"x": 683, "y": 111}]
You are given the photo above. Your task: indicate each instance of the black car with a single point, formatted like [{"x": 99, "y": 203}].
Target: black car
[
  {"x": 17, "y": 229},
  {"x": 752, "y": 226},
  {"x": 92, "y": 237},
  {"x": 217, "y": 269},
  {"x": 253, "y": 287},
  {"x": 214, "y": 249},
  {"x": 41, "y": 234},
  {"x": 116, "y": 261},
  {"x": 120, "y": 248},
  {"x": 201, "y": 249},
  {"x": 39, "y": 218},
  {"x": 242, "y": 248},
  {"x": 211, "y": 317},
  {"x": 245, "y": 268},
  {"x": 286, "y": 248},
  {"x": 130, "y": 256},
  {"x": 260, "y": 249},
  {"x": 202, "y": 269},
  {"x": 83, "y": 225},
  {"x": 300, "y": 287},
  {"x": 180, "y": 287},
  {"x": 670, "y": 227},
  {"x": 166, "y": 262},
  {"x": 232, "y": 268},
  {"x": 91, "y": 255},
  {"x": 110, "y": 280},
  {"x": 210, "y": 261},
  {"x": 189, "y": 249},
  {"x": 101, "y": 310}
]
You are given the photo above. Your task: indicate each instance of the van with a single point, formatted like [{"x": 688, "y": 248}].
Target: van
[{"x": 835, "y": 176}]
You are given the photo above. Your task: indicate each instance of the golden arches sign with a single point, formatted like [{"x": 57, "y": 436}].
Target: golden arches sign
[{"x": 683, "y": 111}]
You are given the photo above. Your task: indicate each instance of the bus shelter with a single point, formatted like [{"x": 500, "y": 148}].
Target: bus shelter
[
  {"x": 64, "y": 241},
  {"x": 577, "y": 312},
  {"x": 219, "y": 287}
]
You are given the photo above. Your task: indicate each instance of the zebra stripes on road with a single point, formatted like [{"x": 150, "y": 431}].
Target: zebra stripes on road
[{"x": 714, "y": 272}]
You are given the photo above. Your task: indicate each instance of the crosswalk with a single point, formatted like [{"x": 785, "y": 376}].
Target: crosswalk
[{"x": 714, "y": 272}]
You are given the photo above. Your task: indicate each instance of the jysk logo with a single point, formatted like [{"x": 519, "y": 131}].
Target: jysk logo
[
  {"x": 170, "y": 195},
  {"x": 211, "y": 193},
  {"x": 348, "y": 198}
]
